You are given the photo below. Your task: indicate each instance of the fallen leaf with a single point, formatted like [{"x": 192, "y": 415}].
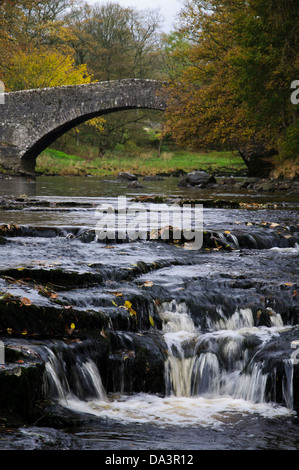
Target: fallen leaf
[
  {"x": 128, "y": 306},
  {"x": 71, "y": 329},
  {"x": 117, "y": 294},
  {"x": 132, "y": 312},
  {"x": 26, "y": 301},
  {"x": 151, "y": 320},
  {"x": 148, "y": 284}
]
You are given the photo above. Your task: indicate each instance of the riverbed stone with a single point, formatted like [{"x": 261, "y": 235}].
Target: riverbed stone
[
  {"x": 197, "y": 179},
  {"x": 21, "y": 388},
  {"x": 135, "y": 185},
  {"x": 126, "y": 176}
]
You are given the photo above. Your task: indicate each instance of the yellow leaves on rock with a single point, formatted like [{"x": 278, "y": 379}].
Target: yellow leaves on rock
[
  {"x": 70, "y": 330},
  {"x": 10, "y": 331},
  {"x": 128, "y": 306}
]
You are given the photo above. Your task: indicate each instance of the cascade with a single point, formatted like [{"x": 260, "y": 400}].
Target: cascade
[
  {"x": 221, "y": 361},
  {"x": 179, "y": 332},
  {"x": 69, "y": 375}
]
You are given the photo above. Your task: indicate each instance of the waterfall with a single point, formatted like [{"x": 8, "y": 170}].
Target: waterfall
[
  {"x": 56, "y": 383},
  {"x": 179, "y": 332},
  {"x": 287, "y": 385},
  {"x": 229, "y": 359},
  {"x": 220, "y": 362},
  {"x": 206, "y": 375},
  {"x": 249, "y": 386},
  {"x": 68, "y": 375},
  {"x": 91, "y": 372}
]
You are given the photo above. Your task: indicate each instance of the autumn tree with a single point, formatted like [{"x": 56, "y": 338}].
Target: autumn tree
[
  {"x": 114, "y": 41},
  {"x": 232, "y": 89},
  {"x": 43, "y": 68},
  {"x": 34, "y": 42}
]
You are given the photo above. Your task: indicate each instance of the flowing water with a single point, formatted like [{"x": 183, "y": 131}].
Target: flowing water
[{"x": 220, "y": 321}]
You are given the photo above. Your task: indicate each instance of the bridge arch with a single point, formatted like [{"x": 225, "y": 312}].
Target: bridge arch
[{"x": 31, "y": 120}]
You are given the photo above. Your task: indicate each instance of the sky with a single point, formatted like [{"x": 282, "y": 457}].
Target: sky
[{"x": 169, "y": 8}]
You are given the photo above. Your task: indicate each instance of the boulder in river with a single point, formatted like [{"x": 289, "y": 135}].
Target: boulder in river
[
  {"x": 126, "y": 176},
  {"x": 135, "y": 185},
  {"x": 199, "y": 179}
]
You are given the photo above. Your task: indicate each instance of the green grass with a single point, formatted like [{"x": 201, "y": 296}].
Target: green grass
[{"x": 144, "y": 163}]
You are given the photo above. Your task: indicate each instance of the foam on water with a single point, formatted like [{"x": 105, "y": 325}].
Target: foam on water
[{"x": 178, "y": 411}]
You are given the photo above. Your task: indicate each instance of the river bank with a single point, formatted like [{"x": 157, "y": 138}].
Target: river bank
[{"x": 145, "y": 162}]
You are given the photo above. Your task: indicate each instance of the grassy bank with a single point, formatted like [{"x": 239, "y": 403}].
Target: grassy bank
[{"x": 145, "y": 163}]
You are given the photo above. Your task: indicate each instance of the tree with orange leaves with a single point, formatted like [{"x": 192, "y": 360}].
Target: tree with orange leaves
[{"x": 233, "y": 86}]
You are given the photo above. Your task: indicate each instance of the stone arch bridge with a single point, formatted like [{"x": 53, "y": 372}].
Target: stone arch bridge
[{"x": 31, "y": 120}]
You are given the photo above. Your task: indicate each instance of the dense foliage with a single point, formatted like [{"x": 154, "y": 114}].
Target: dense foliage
[{"x": 232, "y": 64}]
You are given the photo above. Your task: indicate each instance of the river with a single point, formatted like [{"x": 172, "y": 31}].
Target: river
[{"x": 221, "y": 318}]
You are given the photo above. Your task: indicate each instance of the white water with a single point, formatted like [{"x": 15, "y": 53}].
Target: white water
[{"x": 204, "y": 376}]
